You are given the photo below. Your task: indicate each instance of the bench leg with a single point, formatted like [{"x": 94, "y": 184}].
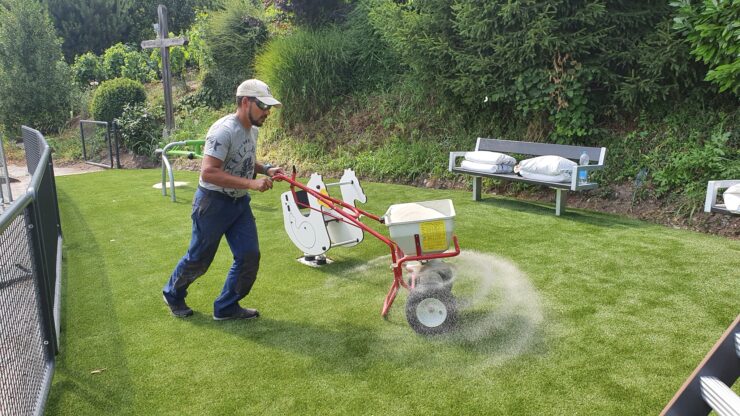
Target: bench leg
[
  {"x": 561, "y": 198},
  {"x": 477, "y": 185}
]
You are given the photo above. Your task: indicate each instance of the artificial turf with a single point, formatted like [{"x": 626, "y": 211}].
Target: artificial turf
[{"x": 581, "y": 314}]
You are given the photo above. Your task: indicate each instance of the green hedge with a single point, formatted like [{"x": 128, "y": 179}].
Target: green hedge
[{"x": 110, "y": 98}]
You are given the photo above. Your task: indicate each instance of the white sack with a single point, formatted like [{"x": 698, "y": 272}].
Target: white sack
[
  {"x": 548, "y": 165},
  {"x": 545, "y": 178},
  {"x": 732, "y": 197},
  {"x": 490, "y": 158},
  {"x": 486, "y": 168}
]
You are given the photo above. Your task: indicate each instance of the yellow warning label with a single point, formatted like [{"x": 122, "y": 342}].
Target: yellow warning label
[
  {"x": 433, "y": 236},
  {"x": 323, "y": 191}
]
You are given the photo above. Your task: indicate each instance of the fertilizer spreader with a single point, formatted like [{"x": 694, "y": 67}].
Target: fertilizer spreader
[{"x": 421, "y": 235}]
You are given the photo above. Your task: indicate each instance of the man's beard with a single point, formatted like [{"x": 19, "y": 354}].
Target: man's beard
[{"x": 258, "y": 122}]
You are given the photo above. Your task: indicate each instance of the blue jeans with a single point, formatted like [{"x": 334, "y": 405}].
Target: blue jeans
[{"x": 214, "y": 215}]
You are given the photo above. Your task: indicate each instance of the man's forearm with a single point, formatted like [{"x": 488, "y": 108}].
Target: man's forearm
[{"x": 219, "y": 177}]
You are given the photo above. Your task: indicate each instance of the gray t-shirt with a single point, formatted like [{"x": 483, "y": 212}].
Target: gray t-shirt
[{"x": 228, "y": 141}]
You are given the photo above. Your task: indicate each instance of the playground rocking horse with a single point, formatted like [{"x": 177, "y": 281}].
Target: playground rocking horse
[{"x": 314, "y": 227}]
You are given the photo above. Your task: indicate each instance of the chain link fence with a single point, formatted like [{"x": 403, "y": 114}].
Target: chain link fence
[{"x": 30, "y": 279}]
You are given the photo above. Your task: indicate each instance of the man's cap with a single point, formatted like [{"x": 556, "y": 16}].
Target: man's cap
[{"x": 257, "y": 89}]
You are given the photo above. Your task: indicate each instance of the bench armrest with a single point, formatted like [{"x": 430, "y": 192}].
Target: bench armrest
[
  {"x": 575, "y": 186},
  {"x": 713, "y": 188},
  {"x": 453, "y": 158}
]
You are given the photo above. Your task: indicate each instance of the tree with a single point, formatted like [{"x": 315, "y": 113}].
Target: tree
[
  {"x": 91, "y": 25},
  {"x": 35, "y": 82},
  {"x": 94, "y": 25}
]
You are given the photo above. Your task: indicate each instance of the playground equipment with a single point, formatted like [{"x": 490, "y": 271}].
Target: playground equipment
[
  {"x": 421, "y": 234},
  {"x": 189, "y": 148}
]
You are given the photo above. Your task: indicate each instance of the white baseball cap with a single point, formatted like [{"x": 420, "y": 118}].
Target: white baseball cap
[{"x": 257, "y": 89}]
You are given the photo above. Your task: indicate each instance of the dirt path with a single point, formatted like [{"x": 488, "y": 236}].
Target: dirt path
[{"x": 20, "y": 178}]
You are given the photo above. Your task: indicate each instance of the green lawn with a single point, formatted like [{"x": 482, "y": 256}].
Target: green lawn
[{"x": 585, "y": 314}]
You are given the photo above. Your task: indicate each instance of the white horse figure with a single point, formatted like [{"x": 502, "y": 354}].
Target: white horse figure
[
  {"x": 342, "y": 233},
  {"x": 316, "y": 230},
  {"x": 307, "y": 231}
]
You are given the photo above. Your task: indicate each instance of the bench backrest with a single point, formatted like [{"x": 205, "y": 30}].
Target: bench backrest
[{"x": 541, "y": 149}]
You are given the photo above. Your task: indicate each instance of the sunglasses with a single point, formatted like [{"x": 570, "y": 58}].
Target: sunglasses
[{"x": 262, "y": 106}]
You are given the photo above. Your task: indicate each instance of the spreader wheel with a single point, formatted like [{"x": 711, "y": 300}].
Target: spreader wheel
[{"x": 431, "y": 310}]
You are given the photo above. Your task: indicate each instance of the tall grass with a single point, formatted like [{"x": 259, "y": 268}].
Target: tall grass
[{"x": 310, "y": 71}]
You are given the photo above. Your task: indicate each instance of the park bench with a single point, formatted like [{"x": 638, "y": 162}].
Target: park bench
[
  {"x": 713, "y": 188},
  {"x": 511, "y": 147}
]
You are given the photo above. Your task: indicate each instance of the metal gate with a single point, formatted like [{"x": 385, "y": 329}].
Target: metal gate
[{"x": 100, "y": 143}]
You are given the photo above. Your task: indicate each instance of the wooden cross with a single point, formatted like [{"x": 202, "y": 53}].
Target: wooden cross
[{"x": 164, "y": 43}]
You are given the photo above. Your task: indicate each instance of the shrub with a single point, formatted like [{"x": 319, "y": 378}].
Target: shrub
[
  {"x": 217, "y": 88},
  {"x": 141, "y": 128},
  {"x": 179, "y": 57},
  {"x": 136, "y": 66},
  {"x": 110, "y": 98},
  {"x": 114, "y": 59},
  {"x": 87, "y": 68},
  {"x": 564, "y": 61}
]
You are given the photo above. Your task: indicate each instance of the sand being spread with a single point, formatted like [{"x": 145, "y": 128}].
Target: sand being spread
[{"x": 500, "y": 314}]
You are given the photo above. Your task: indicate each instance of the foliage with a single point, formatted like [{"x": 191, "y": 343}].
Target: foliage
[
  {"x": 315, "y": 13},
  {"x": 309, "y": 70},
  {"x": 315, "y": 70},
  {"x": 114, "y": 59},
  {"x": 141, "y": 128},
  {"x": 94, "y": 25},
  {"x": 232, "y": 37},
  {"x": 136, "y": 66},
  {"x": 125, "y": 61},
  {"x": 712, "y": 27},
  {"x": 90, "y": 25},
  {"x": 179, "y": 57},
  {"x": 34, "y": 79},
  {"x": 567, "y": 61},
  {"x": 111, "y": 97},
  {"x": 87, "y": 69}
]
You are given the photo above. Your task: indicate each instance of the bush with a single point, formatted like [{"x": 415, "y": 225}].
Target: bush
[
  {"x": 178, "y": 59},
  {"x": 111, "y": 97},
  {"x": 114, "y": 59},
  {"x": 216, "y": 89},
  {"x": 567, "y": 62},
  {"x": 136, "y": 66},
  {"x": 87, "y": 68},
  {"x": 141, "y": 128}
]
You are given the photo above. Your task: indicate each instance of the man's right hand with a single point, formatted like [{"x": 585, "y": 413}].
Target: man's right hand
[{"x": 261, "y": 184}]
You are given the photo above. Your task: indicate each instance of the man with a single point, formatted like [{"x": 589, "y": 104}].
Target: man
[{"x": 221, "y": 206}]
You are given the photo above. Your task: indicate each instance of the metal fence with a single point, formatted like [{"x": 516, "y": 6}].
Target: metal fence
[
  {"x": 30, "y": 279},
  {"x": 100, "y": 143},
  {"x": 6, "y": 196}
]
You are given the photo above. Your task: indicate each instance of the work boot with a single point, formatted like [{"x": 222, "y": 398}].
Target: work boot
[
  {"x": 180, "y": 310},
  {"x": 241, "y": 313}
]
